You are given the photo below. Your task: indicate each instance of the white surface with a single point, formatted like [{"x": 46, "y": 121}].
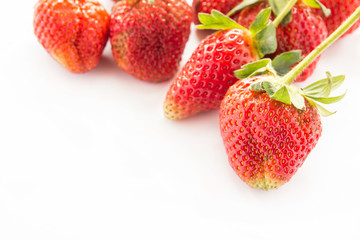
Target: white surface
[{"x": 92, "y": 157}]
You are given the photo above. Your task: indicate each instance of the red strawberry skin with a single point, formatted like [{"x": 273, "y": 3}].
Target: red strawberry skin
[
  {"x": 266, "y": 141},
  {"x": 305, "y": 32},
  {"x": 204, "y": 80},
  {"x": 340, "y": 11},
  {"x": 73, "y": 32},
  {"x": 148, "y": 39},
  {"x": 205, "y": 6}
]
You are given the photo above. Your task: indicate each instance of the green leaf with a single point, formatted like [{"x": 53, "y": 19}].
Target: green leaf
[
  {"x": 261, "y": 21},
  {"x": 323, "y": 111},
  {"x": 328, "y": 100},
  {"x": 217, "y": 21},
  {"x": 318, "y": 4},
  {"x": 270, "y": 88},
  {"x": 319, "y": 92},
  {"x": 277, "y": 6},
  {"x": 337, "y": 81},
  {"x": 242, "y": 5},
  {"x": 257, "y": 87},
  {"x": 282, "y": 95},
  {"x": 266, "y": 40},
  {"x": 249, "y": 69},
  {"x": 327, "y": 90},
  {"x": 297, "y": 99},
  {"x": 284, "y": 61},
  {"x": 320, "y": 88}
]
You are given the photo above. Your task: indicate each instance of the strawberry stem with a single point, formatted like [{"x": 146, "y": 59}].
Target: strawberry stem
[
  {"x": 291, "y": 76},
  {"x": 284, "y": 12}
]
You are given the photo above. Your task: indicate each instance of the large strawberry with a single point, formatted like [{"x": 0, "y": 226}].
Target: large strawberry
[
  {"x": 268, "y": 126},
  {"x": 74, "y": 32},
  {"x": 340, "y": 11},
  {"x": 266, "y": 140},
  {"x": 305, "y": 31},
  {"x": 205, "y": 78},
  {"x": 205, "y": 6},
  {"x": 148, "y": 37}
]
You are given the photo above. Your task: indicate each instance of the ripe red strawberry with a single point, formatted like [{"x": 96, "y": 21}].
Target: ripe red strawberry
[
  {"x": 74, "y": 32},
  {"x": 305, "y": 31},
  {"x": 149, "y": 37},
  {"x": 204, "y": 80},
  {"x": 205, "y": 6},
  {"x": 340, "y": 11},
  {"x": 266, "y": 141},
  {"x": 268, "y": 126}
]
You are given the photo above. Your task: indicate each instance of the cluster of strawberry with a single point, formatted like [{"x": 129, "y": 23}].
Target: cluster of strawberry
[
  {"x": 246, "y": 68},
  {"x": 148, "y": 37}
]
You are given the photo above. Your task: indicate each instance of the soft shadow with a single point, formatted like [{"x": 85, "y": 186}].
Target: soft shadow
[{"x": 107, "y": 67}]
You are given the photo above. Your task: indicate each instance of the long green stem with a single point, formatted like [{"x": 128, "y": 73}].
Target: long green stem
[
  {"x": 291, "y": 76},
  {"x": 284, "y": 12}
]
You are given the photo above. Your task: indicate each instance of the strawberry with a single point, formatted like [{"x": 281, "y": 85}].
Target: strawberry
[
  {"x": 269, "y": 126},
  {"x": 208, "y": 74},
  {"x": 148, "y": 37},
  {"x": 205, "y": 6},
  {"x": 73, "y": 32},
  {"x": 340, "y": 11},
  {"x": 205, "y": 78},
  {"x": 266, "y": 140},
  {"x": 305, "y": 31}
]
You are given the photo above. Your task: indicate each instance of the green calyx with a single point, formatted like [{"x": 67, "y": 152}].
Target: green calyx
[
  {"x": 280, "y": 66},
  {"x": 319, "y": 92},
  {"x": 262, "y": 29},
  {"x": 275, "y": 88},
  {"x": 283, "y": 62},
  {"x": 217, "y": 21},
  {"x": 264, "y": 32},
  {"x": 319, "y": 5},
  {"x": 281, "y": 8}
]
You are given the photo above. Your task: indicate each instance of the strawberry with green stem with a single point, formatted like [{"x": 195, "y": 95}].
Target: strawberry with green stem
[
  {"x": 300, "y": 29},
  {"x": 268, "y": 126},
  {"x": 205, "y": 78}
]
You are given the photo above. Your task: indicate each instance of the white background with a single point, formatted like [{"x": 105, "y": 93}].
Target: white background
[{"x": 92, "y": 157}]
